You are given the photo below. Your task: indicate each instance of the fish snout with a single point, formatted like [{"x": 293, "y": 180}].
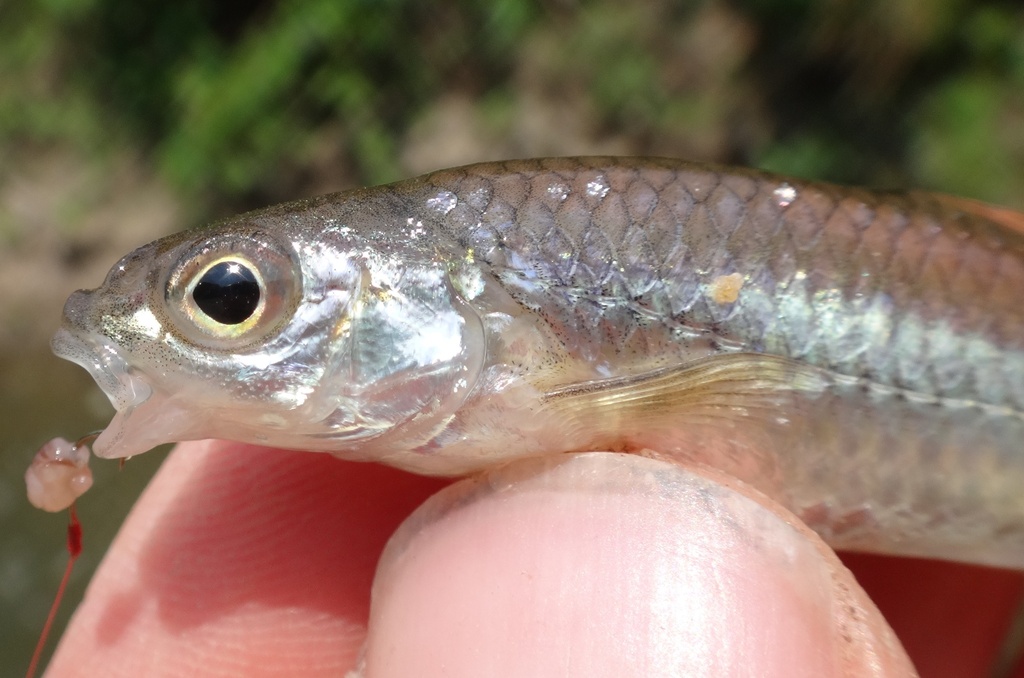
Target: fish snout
[{"x": 77, "y": 310}]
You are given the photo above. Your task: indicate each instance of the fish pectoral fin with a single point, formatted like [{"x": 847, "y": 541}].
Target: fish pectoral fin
[{"x": 722, "y": 391}]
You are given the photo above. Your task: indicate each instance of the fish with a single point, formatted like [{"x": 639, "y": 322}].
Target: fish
[{"x": 857, "y": 356}]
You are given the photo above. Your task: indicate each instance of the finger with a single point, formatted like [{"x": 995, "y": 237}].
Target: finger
[
  {"x": 953, "y": 619},
  {"x": 240, "y": 561},
  {"x": 616, "y": 565}
]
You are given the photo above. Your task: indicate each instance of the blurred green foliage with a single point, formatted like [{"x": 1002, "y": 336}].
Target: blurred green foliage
[
  {"x": 233, "y": 100},
  {"x": 223, "y": 94}
]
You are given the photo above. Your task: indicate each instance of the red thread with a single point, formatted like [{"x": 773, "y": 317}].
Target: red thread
[{"x": 74, "y": 549}]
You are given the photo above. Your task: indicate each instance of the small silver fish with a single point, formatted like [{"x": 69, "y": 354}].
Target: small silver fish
[{"x": 857, "y": 356}]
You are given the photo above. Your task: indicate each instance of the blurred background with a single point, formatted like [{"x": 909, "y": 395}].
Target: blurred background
[{"x": 121, "y": 122}]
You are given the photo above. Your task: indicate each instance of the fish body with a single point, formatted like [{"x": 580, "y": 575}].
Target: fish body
[{"x": 857, "y": 356}]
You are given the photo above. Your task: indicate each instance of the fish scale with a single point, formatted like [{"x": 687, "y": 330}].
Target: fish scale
[{"x": 816, "y": 232}]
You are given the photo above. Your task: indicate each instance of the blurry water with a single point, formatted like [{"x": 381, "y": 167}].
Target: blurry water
[{"x": 42, "y": 397}]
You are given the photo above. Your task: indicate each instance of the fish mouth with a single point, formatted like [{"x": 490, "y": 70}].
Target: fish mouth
[
  {"x": 105, "y": 363},
  {"x": 127, "y": 391}
]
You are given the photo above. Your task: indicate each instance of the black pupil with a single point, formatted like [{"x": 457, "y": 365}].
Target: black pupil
[{"x": 228, "y": 293}]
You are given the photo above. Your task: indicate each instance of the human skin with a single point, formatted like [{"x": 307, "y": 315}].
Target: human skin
[{"x": 243, "y": 561}]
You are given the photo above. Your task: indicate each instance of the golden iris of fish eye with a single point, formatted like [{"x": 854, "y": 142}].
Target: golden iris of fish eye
[{"x": 217, "y": 329}]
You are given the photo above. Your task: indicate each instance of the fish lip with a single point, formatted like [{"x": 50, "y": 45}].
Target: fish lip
[{"x": 105, "y": 363}]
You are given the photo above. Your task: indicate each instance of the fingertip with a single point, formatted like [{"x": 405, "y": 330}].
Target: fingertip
[{"x": 604, "y": 564}]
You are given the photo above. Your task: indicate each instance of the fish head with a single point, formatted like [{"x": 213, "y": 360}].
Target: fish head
[{"x": 305, "y": 328}]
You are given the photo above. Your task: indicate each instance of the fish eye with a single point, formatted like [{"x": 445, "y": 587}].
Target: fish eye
[
  {"x": 233, "y": 291},
  {"x": 228, "y": 292}
]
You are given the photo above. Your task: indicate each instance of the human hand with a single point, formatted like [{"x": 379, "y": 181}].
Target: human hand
[{"x": 253, "y": 562}]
